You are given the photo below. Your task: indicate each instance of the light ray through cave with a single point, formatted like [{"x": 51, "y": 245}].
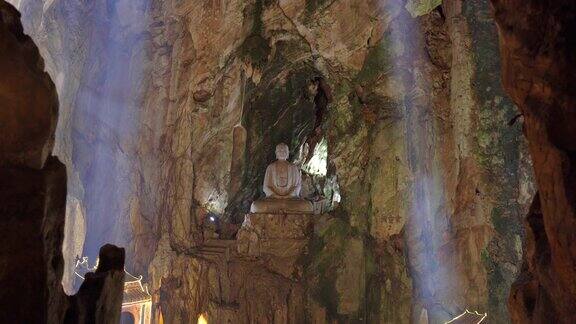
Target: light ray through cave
[
  {"x": 104, "y": 102},
  {"x": 433, "y": 280},
  {"x": 105, "y": 119}
]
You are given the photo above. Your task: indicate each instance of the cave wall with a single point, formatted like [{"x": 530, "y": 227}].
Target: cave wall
[
  {"x": 33, "y": 187},
  {"x": 537, "y": 51},
  {"x": 33, "y": 199},
  {"x": 433, "y": 131},
  {"x": 433, "y": 181}
]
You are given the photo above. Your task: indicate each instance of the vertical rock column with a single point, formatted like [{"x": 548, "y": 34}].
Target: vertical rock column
[
  {"x": 99, "y": 299},
  {"x": 33, "y": 199},
  {"x": 539, "y": 56},
  {"x": 32, "y": 186}
]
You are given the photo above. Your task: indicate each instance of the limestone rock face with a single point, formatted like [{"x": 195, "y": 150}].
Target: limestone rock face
[
  {"x": 536, "y": 55},
  {"x": 432, "y": 176},
  {"x": 279, "y": 240},
  {"x": 420, "y": 160},
  {"x": 28, "y": 99},
  {"x": 255, "y": 279},
  {"x": 278, "y": 226},
  {"x": 73, "y": 245}
]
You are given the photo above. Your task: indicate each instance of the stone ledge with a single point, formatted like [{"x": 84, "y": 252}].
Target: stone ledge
[
  {"x": 279, "y": 226},
  {"x": 274, "y": 235}
]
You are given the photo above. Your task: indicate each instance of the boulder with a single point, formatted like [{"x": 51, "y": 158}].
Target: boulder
[{"x": 28, "y": 100}]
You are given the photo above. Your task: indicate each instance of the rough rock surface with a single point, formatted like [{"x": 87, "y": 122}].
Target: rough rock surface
[
  {"x": 99, "y": 299},
  {"x": 29, "y": 102},
  {"x": 432, "y": 180},
  {"x": 33, "y": 198},
  {"x": 33, "y": 186},
  {"x": 254, "y": 279},
  {"x": 279, "y": 240},
  {"x": 32, "y": 223},
  {"x": 73, "y": 245},
  {"x": 537, "y": 52}
]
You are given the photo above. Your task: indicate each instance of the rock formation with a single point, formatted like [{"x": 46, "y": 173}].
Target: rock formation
[
  {"x": 257, "y": 278},
  {"x": 29, "y": 102},
  {"x": 33, "y": 186},
  {"x": 537, "y": 53},
  {"x": 427, "y": 183},
  {"x": 99, "y": 298},
  {"x": 33, "y": 198}
]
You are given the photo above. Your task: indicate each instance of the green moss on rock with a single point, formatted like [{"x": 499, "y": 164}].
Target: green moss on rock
[
  {"x": 498, "y": 151},
  {"x": 325, "y": 256},
  {"x": 421, "y": 7},
  {"x": 313, "y": 6},
  {"x": 501, "y": 223},
  {"x": 378, "y": 61}
]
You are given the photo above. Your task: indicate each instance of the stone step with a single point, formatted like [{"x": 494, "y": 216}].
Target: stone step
[
  {"x": 212, "y": 248},
  {"x": 209, "y": 257},
  {"x": 209, "y": 254},
  {"x": 221, "y": 243},
  {"x": 212, "y": 251},
  {"x": 216, "y": 250},
  {"x": 212, "y": 256}
]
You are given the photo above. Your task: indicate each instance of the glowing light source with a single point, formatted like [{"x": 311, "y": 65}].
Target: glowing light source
[
  {"x": 212, "y": 218},
  {"x": 202, "y": 319},
  {"x": 319, "y": 160},
  {"x": 468, "y": 317},
  {"x": 336, "y": 198}
]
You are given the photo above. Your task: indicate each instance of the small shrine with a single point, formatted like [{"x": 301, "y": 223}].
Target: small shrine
[
  {"x": 279, "y": 224},
  {"x": 136, "y": 301}
]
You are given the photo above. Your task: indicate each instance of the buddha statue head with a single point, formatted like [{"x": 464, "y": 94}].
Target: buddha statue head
[{"x": 282, "y": 152}]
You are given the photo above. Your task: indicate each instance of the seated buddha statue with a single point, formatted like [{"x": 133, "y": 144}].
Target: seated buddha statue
[{"x": 282, "y": 183}]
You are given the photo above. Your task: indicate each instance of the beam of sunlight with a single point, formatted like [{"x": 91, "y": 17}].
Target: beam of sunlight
[
  {"x": 433, "y": 280},
  {"x": 106, "y": 118},
  {"x": 317, "y": 165}
]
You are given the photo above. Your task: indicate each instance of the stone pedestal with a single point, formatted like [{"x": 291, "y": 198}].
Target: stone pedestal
[
  {"x": 279, "y": 206},
  {"x": 278, "y": 239}
]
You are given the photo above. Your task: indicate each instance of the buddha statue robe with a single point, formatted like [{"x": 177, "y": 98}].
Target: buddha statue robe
[{"x": 282, "y": 183}]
